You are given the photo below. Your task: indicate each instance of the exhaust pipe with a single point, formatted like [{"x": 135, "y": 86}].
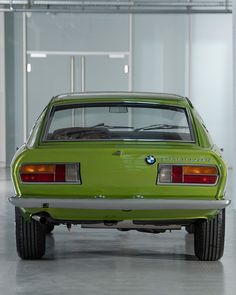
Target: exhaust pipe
[{"x": 42, "y": 219}]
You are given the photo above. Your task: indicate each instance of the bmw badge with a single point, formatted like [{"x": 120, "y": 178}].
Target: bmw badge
[{"x": 150, "y": 160}]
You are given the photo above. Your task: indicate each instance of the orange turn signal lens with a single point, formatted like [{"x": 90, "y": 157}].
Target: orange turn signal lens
[
  {"x": 40, "y": 168},
  {"x": 202, "y": 170}
]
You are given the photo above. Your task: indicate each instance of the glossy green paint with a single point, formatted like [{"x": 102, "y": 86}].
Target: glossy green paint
[{"x": 122, "y": 176}]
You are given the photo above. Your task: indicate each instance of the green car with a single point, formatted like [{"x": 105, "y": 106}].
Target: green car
[{"x": 129, "y": 161}]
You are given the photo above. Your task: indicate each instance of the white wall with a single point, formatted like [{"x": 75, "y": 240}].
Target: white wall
[
  {"x": 2, "y": 94},
  {"x": 211, "y": 83},
  {"x": 233, "y": 177},
  {"x": 159, "y": 48}
]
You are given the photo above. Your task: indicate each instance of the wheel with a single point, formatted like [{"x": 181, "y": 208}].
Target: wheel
[
  {"x": 30, "y": 237},
  {"x": 49, "y": 227},
  {"x": 209, "y": 238},
  {"x": 190, "y": 228}
]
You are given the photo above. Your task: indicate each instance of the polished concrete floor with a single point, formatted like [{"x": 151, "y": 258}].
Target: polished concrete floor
[{"x": 109, "y": 262}]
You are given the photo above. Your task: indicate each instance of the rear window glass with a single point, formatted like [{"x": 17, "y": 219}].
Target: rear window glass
[{"x": 118, "y": 122}]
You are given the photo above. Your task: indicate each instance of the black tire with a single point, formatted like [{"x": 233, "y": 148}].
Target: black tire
[
  {"x": 49, "y": 227},
  {"x": 30, "y": 237},
  {"x": 209, "y": 238},
  {"x": 190, "y": 228}
]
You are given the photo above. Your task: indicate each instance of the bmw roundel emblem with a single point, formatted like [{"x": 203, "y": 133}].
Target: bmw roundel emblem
[{"x": 150, "y": 160}]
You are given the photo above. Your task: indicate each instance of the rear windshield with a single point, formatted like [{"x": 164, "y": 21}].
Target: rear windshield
[{"x": 112, "y": 121}]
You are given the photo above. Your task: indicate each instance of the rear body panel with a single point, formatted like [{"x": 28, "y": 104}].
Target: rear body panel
[
  {"x": 118, "y": 176},
  {"x": 124, "y": 176}
]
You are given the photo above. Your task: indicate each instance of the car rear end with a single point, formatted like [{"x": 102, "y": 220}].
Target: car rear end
[{"x": 127, "y": 163}]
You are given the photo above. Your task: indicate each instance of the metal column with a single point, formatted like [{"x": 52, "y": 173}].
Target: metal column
[
  {"x": 130, "y": 86},
  {"x": 25, "y": 98},
  {"x": 72, "y": 85},
  {"x": 83, "y": 86}
]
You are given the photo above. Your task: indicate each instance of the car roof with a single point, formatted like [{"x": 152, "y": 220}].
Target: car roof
[
  {"x": 119, "y": 96},
  {"x": 114, "y": 94}
]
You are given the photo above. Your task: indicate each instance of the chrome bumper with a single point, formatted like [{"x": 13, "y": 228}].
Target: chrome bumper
[{"x": 120, "y": 204}]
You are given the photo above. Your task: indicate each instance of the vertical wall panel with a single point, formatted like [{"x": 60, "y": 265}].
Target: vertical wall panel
[
  {"x": 211, "y": 76},
  {"x": 159, "y": 53},
  {"x": 14, "y": 83},
  {"x": 2, "y": 93},
  {"x": 233, "y": 159}
]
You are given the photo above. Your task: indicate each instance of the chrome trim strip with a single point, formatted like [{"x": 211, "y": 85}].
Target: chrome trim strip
[{"x": 119, "y": 204}]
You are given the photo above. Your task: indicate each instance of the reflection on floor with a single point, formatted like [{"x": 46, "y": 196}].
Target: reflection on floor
[{"x": 109, "y": 262}]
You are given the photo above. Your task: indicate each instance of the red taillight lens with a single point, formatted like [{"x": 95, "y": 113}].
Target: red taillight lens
[
  {"x": 60, "y": 173},
  {"x": 183, "y": 174},
  {"x": 177, "y": 174},
  {"x": 52, "y": 173},
  {"x": 200, "y": 179},
  {"x": 37, "y": 177}
]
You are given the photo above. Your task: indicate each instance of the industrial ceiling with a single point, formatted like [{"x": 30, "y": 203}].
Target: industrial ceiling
[{"x": 119, "y": 6}]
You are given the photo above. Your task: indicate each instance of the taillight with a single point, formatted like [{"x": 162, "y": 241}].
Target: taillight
[
  {"x": 187, "y": 174},
  {"x": 52, "y": 173}
]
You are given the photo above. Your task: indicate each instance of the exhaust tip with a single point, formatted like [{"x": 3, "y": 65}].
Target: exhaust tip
[
  {"x": 40, "y": 218},
  {"x": 43, "y": 220}
]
